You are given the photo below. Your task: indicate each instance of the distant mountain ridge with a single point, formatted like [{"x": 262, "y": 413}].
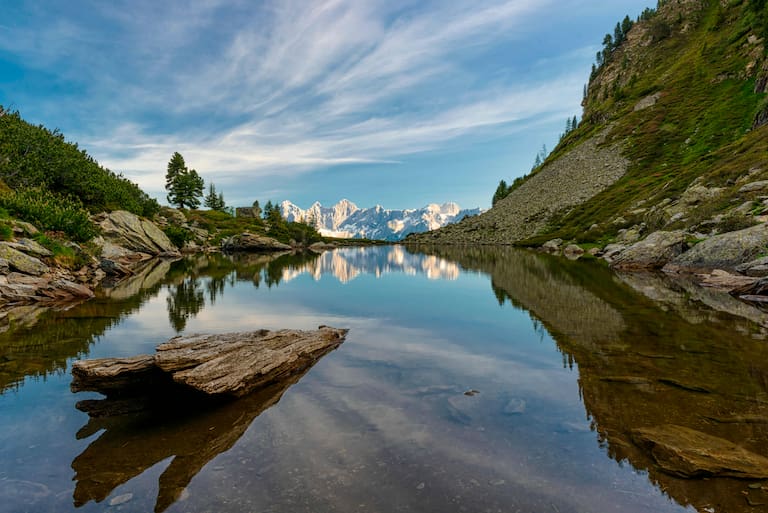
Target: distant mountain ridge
[{"x": 347, "y": 220}]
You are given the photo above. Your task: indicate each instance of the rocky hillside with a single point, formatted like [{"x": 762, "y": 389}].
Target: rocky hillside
[{"x": 673, "y": 137}]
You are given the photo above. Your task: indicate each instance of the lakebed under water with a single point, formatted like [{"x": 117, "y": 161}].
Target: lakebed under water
[{"x": 475, "y": 380}]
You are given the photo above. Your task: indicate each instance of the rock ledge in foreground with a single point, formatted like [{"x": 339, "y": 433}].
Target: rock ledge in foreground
[{"x": 224, "y": 365}]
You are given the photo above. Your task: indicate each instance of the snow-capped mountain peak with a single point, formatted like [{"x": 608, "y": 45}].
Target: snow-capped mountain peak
[{"x": 347, "y": 220}]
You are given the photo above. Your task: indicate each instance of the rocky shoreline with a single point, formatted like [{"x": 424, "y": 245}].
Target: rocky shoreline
[{"x": 32, "y": 275}]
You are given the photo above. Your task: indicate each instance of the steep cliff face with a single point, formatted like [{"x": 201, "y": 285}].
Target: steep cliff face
[{"x": 673, "y": 135}]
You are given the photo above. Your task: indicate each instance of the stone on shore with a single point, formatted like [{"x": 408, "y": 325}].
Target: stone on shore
[
  {"x": 130, "y": 231},
  {"x": 21, "y": 261},
  {"x": 726, "y": 251},
  {"x": 253, "y": 243},
  {"x": 685, "y": 452},
  {"x": 653, "y": 252},
  {"x": 230, "y": 364}
]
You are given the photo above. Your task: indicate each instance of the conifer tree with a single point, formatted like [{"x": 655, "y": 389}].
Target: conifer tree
[
  {"x": 184, "y": 186},
  {"x": 215, "y": 201},
  {"x": 501, "y": 192}
]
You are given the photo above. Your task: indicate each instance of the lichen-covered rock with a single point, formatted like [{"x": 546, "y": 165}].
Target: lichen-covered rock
[
  {"x": 725, "y": 251},
  {"x": 30, "y": 247},
  {"x": 129, "y": 231},
  {"x": 254, "y": 243},
  {"x": 24, "y": 228},
  {"x": 653, "y": 252},
  {"x": 21, "y": 261}
]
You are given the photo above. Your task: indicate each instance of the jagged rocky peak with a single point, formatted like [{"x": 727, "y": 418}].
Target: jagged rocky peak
[{"x": 347, "y": 220}]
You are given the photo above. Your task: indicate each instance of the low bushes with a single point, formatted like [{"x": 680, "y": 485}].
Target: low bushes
[{"x": 50, "y": 211}]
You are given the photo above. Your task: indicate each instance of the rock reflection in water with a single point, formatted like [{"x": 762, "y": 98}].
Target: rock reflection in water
[
  {"x": 671, "y": 355},
  {"x": 190, "y": 432},
  {"x": 36, "y": 341}
]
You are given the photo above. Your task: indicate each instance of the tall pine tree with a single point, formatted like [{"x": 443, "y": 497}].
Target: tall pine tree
[{"x": 184, "y": 185}]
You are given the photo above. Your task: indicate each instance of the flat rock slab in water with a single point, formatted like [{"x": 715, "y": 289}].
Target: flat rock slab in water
[
  {"x": 686, "y": 452},
  {"x": 230, "y": 364}
]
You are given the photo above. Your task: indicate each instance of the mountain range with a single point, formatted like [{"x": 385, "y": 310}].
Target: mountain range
[{"x": 347, "y": 220}]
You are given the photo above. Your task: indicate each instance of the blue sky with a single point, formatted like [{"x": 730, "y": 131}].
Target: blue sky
[{"x": 398, "y": 103}]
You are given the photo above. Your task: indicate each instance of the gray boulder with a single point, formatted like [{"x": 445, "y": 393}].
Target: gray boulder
[
  {"x": 759, "y": 186},
  {"x": 552, "y": 246},
  {"x": 130, "y": 231},
  {"x": 30, "y": 247},
  {"x": 726, "y": 251},
  {"x": 612, "y": 251},
  {"x": 252, "y": 243},
  {"x": 573, "y": 252},
  {"x": 21, "y": 261},
  {"x": 653, "y": 252}
]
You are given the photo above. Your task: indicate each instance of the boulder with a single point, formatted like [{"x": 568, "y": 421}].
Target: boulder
[
  {"x": 254, "y": 243},
  {"x": 130, "y": 231},
  {"x": 724, "y": 280},
  {"x": 67, "y": 288},
  {"x": 653, "y": 252},
  {"x": 685, "y": 452},
  {"x": 757, "y": 267},
  {"x": 757, "y": 287},
  {"x": 612, "y": 251},
  {"x": 223, "y": 365},
  {"x": 725, "y": 251},
  {"x": 30, "y": 247},
  {"x": 552, "y": 246},
  {"x": 573, "y": 252},
  {"x": 21, "y": 261},
  {"x": 24, "y": 228},
  {"x": 758, "y": 186}
]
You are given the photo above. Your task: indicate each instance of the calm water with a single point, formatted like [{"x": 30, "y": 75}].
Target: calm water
[{"x": 568, "y": 358}]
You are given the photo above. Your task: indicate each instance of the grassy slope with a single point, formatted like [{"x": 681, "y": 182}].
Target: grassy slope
[{"x": 699, "y": 127}]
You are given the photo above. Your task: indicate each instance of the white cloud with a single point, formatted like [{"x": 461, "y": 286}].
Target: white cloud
[{"x": 289, "y": 86}]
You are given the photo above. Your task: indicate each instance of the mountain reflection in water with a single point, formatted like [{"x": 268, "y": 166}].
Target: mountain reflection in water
[
  {"x": 384, "y": 421},
  {"x": 692, "y": 357}
]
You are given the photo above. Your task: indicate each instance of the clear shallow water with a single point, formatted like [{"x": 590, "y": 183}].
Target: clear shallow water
[{"x": 567, "y": 358}]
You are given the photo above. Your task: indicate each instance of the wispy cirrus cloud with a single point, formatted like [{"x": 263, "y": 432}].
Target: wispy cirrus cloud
[{"x": 283, "y": 87}]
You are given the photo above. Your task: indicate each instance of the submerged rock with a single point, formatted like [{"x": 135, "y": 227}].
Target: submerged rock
[{"x": 685, "y": 452}]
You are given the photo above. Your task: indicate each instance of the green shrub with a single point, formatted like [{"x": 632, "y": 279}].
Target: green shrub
[
  {"x": 34, "y": 156},
  {"x": 6, "y": 232},
  {"x": 50, "y": 211},
  {"x": 178, "y": 235}
]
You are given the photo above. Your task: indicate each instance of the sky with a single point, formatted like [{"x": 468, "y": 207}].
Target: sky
[{"x": 399, "y": 103}]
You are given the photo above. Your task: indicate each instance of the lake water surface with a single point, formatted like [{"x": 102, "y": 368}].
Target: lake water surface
[{"x": 563, "y": 360}]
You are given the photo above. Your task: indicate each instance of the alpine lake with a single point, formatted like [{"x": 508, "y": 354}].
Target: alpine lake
[{"x": 471, "y": 380}]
